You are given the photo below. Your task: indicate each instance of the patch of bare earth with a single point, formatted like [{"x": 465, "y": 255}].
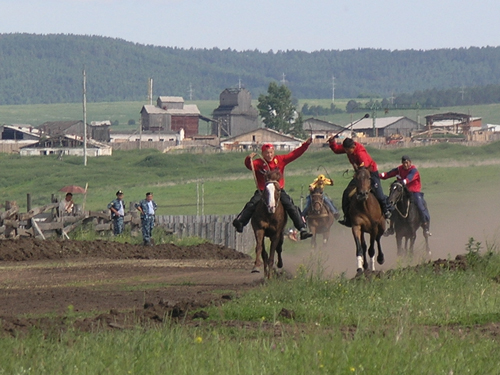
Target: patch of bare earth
[{"x": 48, "y": 283}]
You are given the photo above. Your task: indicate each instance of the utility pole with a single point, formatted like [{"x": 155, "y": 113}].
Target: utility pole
[
  {"x": 190, "y": 92},
  {"x": 84, "y": 117},
  {"x": 150, "y": 91},
  {"x": 283, "y": 80}
]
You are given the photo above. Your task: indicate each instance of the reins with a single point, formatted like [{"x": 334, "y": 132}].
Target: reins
[
  {"x": 407, "y": 206},
  {"x": 253, "y": 170}
]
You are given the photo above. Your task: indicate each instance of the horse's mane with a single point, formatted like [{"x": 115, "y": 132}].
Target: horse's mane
[{"x": 273, "y": 175}]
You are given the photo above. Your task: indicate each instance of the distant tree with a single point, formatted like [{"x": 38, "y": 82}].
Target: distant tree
[
  {"x": 352, "y": 106},
  {"x": 276, "y": 108},
  {"x": 131, "y": 122},
  {"x": 115, "y": 123}
]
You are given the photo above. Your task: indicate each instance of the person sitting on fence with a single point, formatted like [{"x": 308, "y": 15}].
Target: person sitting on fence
[
  {"x": 117, "y": 208},
  {"x": 147, "y": 207},
  {"x": 318, "y": 186},
  {"x": 270, "y": 161}
]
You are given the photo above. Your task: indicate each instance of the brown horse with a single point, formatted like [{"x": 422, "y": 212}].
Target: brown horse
[
  {"x": 406, "y": 218},
  {"x": 366, "y": 217},
  {"x": 319, "y": 218},
  {"x": 269, "y": 220}
]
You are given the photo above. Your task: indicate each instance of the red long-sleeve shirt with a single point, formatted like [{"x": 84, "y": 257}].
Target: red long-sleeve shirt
[
  {"x": 359, "y": 158},
  {"x": 278, "y": 161},
  {"x": 409, "y": 177}
]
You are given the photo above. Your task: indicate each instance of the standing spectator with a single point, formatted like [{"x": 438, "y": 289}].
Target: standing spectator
[
  {"x": 66, "y": 206},
  {"x": 117, "y": 208},
  {"x": 147, "y": 208}
]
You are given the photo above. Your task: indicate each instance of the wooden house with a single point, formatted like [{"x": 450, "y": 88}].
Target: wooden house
[
  {"x": 321, "y": 130},
  {"x": 254, "y": 139},
  {"x": 235, "y": 114},
  {"x": 386, "y": 126},
  {"x": 98, "y": 131},
  {"x": 66, "y": 145},
  {"x": 13, "y": 137},
  {"x": 171, "y": 114}
]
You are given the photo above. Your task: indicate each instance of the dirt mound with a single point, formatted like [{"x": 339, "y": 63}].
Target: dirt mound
[{"x": 36, "y": 249}]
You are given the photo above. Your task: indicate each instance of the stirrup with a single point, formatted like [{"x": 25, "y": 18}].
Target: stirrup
[{"x": 304, "y": 234}]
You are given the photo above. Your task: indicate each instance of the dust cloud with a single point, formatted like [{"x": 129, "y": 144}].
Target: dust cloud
[{"x": 454, "y": 220}]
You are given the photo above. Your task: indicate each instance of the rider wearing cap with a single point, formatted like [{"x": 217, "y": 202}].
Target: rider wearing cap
[
  {"x": 359, "y": 157},
  {"x": 408, "y": 175},
  {"x": 261, "y": 166}
]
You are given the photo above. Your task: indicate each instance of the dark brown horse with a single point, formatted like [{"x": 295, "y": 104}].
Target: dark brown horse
[
  {"x": 366, "y": 217},
  {"x": 319, "y": 218},
  {"x": 269, "y": 220},
  {"x": 406, "y": 219}
]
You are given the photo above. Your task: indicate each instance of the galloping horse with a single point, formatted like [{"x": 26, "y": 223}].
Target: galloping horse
[
  {"x": 319, "y": 218},
  {"x": 407, "y": 220},
  {"x": 366, "y": 217},
  {"x": 269, "y": 220}
]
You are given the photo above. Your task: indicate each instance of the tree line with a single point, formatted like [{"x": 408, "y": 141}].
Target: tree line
[{"x": 48, "y": 69}]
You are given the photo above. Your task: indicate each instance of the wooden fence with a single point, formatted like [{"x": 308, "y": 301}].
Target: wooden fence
[
  {"x": 217, "y": 229},
  {"x": 45, "y": 222}
]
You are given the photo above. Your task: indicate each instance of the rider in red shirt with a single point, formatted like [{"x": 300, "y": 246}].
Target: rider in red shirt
[
  {"x": 359, "y": 157},
  {"x": 270, "y": 161},
  {"x": 408, "y": 175}
]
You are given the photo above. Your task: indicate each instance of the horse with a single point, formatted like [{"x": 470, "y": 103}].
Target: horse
[
  {"x": 269, "y": 220},
  {"x": 366, "y": 217},
  {"x": 319, "y": 218},
  {"x": 407, "y": 218}
]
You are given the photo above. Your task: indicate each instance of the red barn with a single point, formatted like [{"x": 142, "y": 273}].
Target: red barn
[{"x": 171, "y": 115}]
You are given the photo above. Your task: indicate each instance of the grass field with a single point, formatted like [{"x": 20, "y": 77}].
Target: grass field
[{"x": 406, "y": 322}]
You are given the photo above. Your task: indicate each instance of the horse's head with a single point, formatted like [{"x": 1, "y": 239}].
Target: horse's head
[
  {"x": 317, "y": 202},
  {"x": 271, "y": 194},
  {"x": 396, "y": 192},
  {"x": 363, "y": 183}
]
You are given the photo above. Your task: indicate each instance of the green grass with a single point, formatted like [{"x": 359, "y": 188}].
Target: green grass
[
  {"x": 221, "y": 180},
  {"x": 407, "y": 322}
]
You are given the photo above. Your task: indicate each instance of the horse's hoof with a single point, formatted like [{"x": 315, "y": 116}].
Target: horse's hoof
[
  {"x": 380, "y": 259},
  {"x": 359, "y": 272},
  {"x": 255, "y": 270},
  {"x": 280, "y": 264}
]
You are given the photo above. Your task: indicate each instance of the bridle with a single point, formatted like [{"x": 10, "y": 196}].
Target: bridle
[
  {"x": 399, "y": 188},
  {"x": 276, "y": 193}
]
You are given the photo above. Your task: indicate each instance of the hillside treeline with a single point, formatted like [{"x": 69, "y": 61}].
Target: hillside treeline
[{"x": 48, "y": 69}]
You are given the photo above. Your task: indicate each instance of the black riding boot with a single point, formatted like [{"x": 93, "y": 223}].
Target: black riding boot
[
  {"x": 246, "y": 214},
  {"x": 294, "y": 213},
  {"x": 345, "y": 207}
]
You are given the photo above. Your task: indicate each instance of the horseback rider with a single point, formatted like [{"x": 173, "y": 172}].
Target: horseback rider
[
  {"x": 270, "y": 161},
  {"x": 318, "y": 185},
  {"x": 359, "y": 157},
  {"x": 408, "y": 175}
]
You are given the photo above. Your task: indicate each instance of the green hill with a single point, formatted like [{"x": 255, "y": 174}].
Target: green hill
[{"x": 48, "y": 69}]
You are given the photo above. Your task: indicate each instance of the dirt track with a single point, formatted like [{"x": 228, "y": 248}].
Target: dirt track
[{"x": 113, "y": 281}]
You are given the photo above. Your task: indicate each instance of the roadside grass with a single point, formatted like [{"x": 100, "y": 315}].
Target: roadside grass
[{"x": 409, "y": 321}]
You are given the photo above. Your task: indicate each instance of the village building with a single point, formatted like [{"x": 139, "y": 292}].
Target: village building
[
  {"x": 15, "y": 136},
  {"x": 65, "y": 144},
  {"x": 235, "y": 114},
  {"x": 452, "y": 122},
  {"x": 98, "y": 130},
  {"x": 169, "y": 115},
  {"x": 386, "y": 127},
  {"x": 320, "y": 131},
  {"x": 254, "y": 139}
]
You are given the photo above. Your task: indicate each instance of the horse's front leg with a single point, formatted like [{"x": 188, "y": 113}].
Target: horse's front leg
[
  {"x": 380, "y": 256},
  {"x": 371, "y": 252},
  {"x": 427, "y": 248},
  {"x": 259, "y": 247},
  {"x": 275, "y": 241},
  {"x": 399, "y": 243},
  {"x": 360, "y": 256},
  {"x": 279, "y": 250}
]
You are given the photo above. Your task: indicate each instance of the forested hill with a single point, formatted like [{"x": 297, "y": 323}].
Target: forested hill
[{"x": 48, "y": 69}]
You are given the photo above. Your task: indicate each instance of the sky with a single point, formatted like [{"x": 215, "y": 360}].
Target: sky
[{"x": 265, "y": 25}]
